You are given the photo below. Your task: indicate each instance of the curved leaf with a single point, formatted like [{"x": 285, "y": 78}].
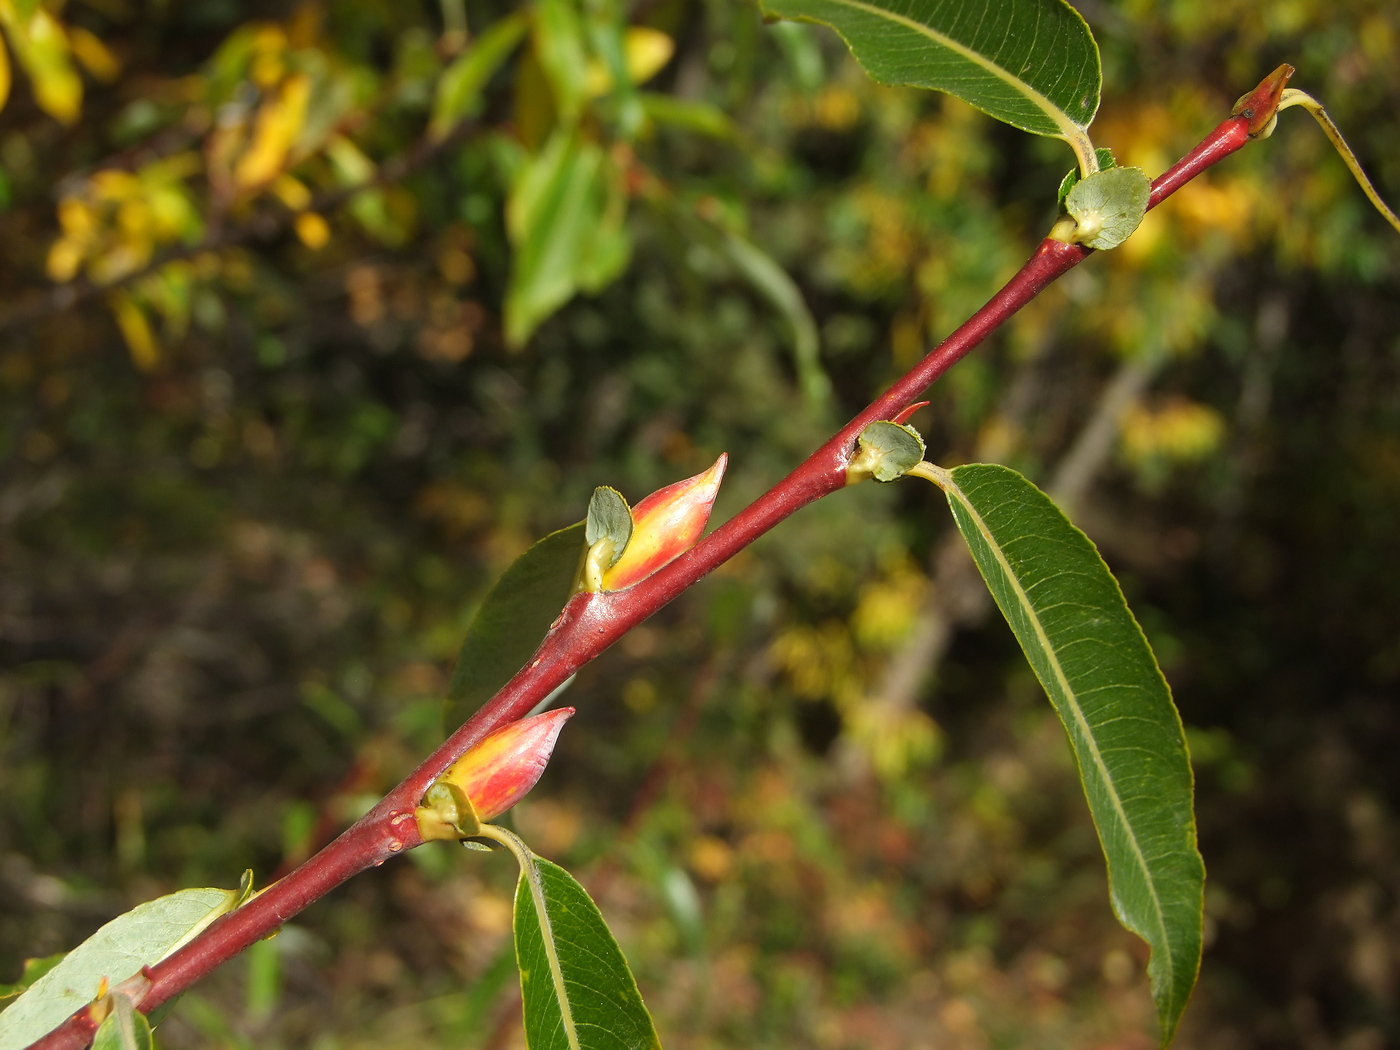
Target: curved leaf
[
  {"x": 1030, "y": 63},
  {"x": 141, "y": 937},
  {"x": 512, "y": 621},
  {"x": 459, "y": 89},
  {"x": 575, "y": 986},
  {"x": 1069, "y": 615}
]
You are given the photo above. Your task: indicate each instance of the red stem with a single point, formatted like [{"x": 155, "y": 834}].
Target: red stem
[{"x": 592, "y": 622}]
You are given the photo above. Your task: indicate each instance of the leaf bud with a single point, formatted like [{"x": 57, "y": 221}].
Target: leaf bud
[
  {"x": 665, "y": 525},
  {"x": 491, "y": 777}
]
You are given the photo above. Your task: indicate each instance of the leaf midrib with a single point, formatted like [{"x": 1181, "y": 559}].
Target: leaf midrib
[
  {"x": 1071, "y": 698},
  {"x": 1072, "y": 132}
]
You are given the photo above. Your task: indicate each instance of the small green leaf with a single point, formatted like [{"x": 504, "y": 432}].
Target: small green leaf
[
  {"x": 512, "y": 621},
  {"x": 141, "y": 937},
  {"x": 885, "y": 451},
  {"x": 125, "y": 1028},
  {"x": 575, "y": 985},
  {"x": 1068, "y": 613},
  {"x": 609, "y": 518},
  {"x": 460, "y": 86},
  {"x": 1108, "y": 206},
  {"x": 1030, "y": 63}
]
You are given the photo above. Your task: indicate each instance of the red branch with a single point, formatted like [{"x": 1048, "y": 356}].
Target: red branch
[{"x": 592, "y": 622}]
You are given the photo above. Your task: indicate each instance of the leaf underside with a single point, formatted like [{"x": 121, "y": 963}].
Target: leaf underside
[
  {"x": 140, "y": 937},
  {"x": 512, "y": 621},
  {"x": 1074, "y": 626},
  {"x": 599, "y": 995},
  {"x": 1030, "y": 63}
]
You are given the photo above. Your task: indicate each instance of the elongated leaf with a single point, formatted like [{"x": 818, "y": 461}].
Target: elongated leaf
[
  {"x": 576, "y": 989},
  {"x": 1090, "y": 655},
  {"x": 459, "y": 89},
  {"x": 1030, "y": 63},
  {"x": 141, "y": 937},
  {"x": 512, "y": 621},
  {"x": 565, "y": 218}
]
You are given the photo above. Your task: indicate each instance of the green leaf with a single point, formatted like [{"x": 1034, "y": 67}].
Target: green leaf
[
  {"x": 693, "y": 115},
  {"x": 1030, "y": 63},
  {"x": 559, "y": 46},
  {"x": 609, "y": 518},
  {"x": 1068, "y": 613},
  {"x": 512, "y": 621},
  {"x": 885, "y": 451},
  {"x": 1108, "y": 206},
  {"x": 576, "y": 988},
  {"x": 141, "y": 937},
  {"x": 459, "y": 88},
  {"x": 565, "y": 218},
  {"x": 125, "y": 1028}
]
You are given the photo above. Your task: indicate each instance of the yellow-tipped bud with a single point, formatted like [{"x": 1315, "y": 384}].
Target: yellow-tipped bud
[{"x": 664, "y": 525}]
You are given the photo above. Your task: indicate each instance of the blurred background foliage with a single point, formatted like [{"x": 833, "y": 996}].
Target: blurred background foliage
[{"x": 312, "y": 319}]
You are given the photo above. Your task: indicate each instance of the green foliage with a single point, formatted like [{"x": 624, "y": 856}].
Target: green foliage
[
  {"x": 141, "y": 937},
  {"x": 577, "y": 990},
  {"x": 609, "y": 518},
  {"x": 1068, "y": 613},
  {"x": 460, "y": 88},
  {"x": 1031, "y": 63},
  {"x": 885, "y": 451},
  {"x": 565, "y": 217},
  {"x": 512, "y": 621},
  {"x": 1108, "y": 206}
]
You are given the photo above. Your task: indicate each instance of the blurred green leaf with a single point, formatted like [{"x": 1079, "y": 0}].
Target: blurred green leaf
[
  {"x": 565, "y": 220},
  {"x": 141, "y": 937},
  {"x": 687, "y": 114},
  {"x": 1030, "y": 63},
  {"x": 577, "y": 990},
  {"x": 459, "y": 89},
  {"x": 559, "y": 47},
  {"x": 1068, "y": 613},
  {"x": 512, "y": 621}
]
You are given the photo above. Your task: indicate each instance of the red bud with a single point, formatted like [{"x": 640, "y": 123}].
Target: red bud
[
  {"x": 666, "y": 524},
  {"x": 501, "y": 770}
]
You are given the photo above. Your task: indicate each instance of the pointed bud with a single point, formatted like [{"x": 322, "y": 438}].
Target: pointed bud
[
  {"x": 491, "y": 777},
  {"x": 664, "y": 525}
]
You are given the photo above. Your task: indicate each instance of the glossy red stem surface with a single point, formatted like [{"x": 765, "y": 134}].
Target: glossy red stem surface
[{"x": 592, "y": 622}]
